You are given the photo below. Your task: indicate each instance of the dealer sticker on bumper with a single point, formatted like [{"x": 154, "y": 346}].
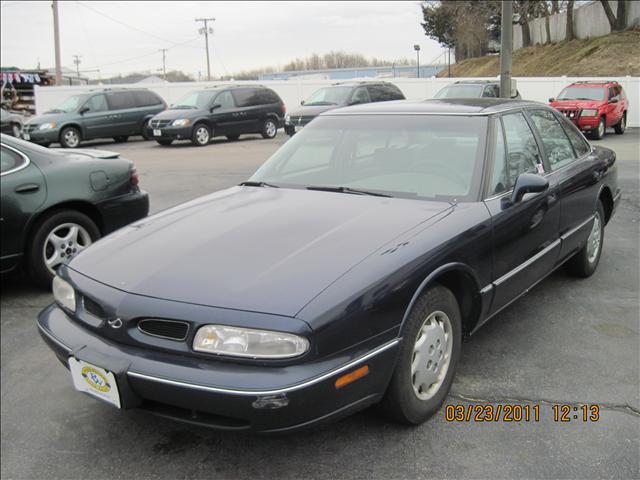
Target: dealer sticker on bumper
[
  {"x": 157, "y": 133},
  {"x": 26, "y": 136},
  {"x": 95, "y": 381}
]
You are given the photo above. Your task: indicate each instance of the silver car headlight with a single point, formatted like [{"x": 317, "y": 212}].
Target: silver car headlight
[
  {"x": 248, "y": 342},
  {"x": 64, "y": 293},
  {"x": 181, "y": 122},
  {"x": 589, "y": 112},
  {"x": 47, "y": 126}
]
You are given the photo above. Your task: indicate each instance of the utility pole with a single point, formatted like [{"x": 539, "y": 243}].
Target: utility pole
[
  {"x": 506, "y": 49},
  {"x": 449, "y": 62},
  {"x": 56, "y": 41},
  {"x": 417, "y": 49},
  {"x": 206, "y": 30},
  {"x": 76, "y": 60},
  {"x": 164, "y": 64}
]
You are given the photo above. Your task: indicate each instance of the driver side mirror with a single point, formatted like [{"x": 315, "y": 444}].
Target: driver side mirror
[
  {"x": 615, "y": 99},
  {"x": 526, "y": 183},
  {"x": 84, "y": 110},
  {"x": 301, "y": 102},
  {"x": 214, "y": 106},
  {"x": 551, "y": 100}
]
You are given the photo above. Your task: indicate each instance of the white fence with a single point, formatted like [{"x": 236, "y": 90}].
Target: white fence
[
  {"x": 293, "y": 91},
  {"x": 588, "y": 21}
]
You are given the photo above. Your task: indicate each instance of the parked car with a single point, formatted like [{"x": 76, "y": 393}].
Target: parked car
[
  {"x": 10, "y": 123},
  {"x": 343, "y": 273},
  {"x": 56, "y": 203},
  {"x": 594, "y": 106},
  {"x": 339, "y": 95},
  {"x": 107, "y": 113},
  {"x": 222, "y": 111},
  {"x": 473, "y": 89}
]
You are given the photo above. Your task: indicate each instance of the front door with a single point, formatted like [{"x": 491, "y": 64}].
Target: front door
[
  {"x": 227, "y": 118},
  {"x": 95, "y": 121},
  {"x": 525, "y": 234}
]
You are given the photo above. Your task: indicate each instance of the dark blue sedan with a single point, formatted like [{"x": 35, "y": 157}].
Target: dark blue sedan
[{"x": 344, "y": 273}]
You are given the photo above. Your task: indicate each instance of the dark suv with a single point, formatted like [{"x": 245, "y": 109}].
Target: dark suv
[
  {"x": 106, "y": 113},
  {"x": 224, "y": 110},
  {"x": 339, "y": 95},
  {"x": 473, "y": 89}
]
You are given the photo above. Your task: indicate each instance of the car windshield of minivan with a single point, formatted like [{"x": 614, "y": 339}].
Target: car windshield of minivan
[
  {"x": 582, "y": 93},
  {"x": 329, "y": 96},
  {"x": 197, "y": 100},
  {"x": 415, "y": 156},
  {"x": 460, "y": 91},
  {"x": 71, "y": 104}
]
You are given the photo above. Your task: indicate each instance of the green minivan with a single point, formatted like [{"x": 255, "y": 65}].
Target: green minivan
[{"x": 105, "y": 113}]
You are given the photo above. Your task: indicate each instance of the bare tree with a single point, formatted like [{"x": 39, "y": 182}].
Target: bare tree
[
  {"x": 569, "y": 35},
  {"x": 616, "y": 22}
]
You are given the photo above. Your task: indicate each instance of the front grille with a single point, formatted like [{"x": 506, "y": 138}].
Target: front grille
[
  {"x": 571, "y": 113},
  {"x": 29, "y": 128},
  {"x": 171, "y": 329},
  {"x": 159, "y": 123},
  {"x": 301, "y": 120},
  {"x": 93, "y": 307}
]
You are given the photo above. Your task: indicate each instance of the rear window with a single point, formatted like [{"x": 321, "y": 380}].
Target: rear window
[
  {"x": 460, "y": 91},
  {"x": 147, "y": 99},
  {"x": 10, "y": 160},
  {"x": 384, "y": 93},
  {"x": 251, "y": 97},
  {"x": 121, "y": 100}
]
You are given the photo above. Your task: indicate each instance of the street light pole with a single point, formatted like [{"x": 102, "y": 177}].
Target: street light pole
[
  {"x": 164, "y": 64},
  {"x": 417, "y": 49},
  {"x": 506, "y": 49},
  {"x": 56, "y": 41},
  {"x": 206, "y": 32},
  {"x": 76, "y": 60}
]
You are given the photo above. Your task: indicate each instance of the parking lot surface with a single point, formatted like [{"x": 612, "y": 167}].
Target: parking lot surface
[{"x": 568, "y": 341}]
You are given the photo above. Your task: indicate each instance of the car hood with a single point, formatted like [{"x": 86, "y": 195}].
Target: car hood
[
  {"x": 51, "y": 117},
  {"x": 311, "y": 110},
  {"x": 174, "y": 114},
  {"x": 268, "y": 250},
  {"x": 576, "y": 104}
]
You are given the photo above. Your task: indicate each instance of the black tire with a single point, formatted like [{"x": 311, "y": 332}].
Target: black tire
[
  {"x": 121, "y": 139},
  {"x": 269, "y": 128},
  {"x": 201, "y": 135},
  {"x": 145, "y": 130},
  {"x": 621, "y": 126},
  {"x": 165, "y": 143},
  {"x": 233, "y": 138},
  {"x": 600, "y": 130},
  {"x": 70, "y": 137},
  {"x": 401, "y": 401},
  {"x": 584, "y": 262},
  {"x": 36, "y": 265}
]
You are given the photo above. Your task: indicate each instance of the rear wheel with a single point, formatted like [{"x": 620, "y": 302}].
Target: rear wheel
[
  {"x": 427, "y": 359},
  {"x": 600, "y": 130},
  {"x": 166, "y": 143},
  {"x": 269, "y": 128},
  {"x": 145, "y": 130},
  {"x": 70, "y": 137},
  {"x": 58, "y": 238},
  {"x": 233, "y": 138},
  {"x": 585, "y": 262},
  {"x": 621, "y": 126},
  {"x": 15, "y": 130},
  {"x": 120, "y": 139},
  {"x": 201, "y": 135}
]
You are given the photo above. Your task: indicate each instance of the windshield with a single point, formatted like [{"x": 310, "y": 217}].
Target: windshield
[
  {"x": 582, "y": 93},
  {"x": 71, "y": 104},
  {"x": 426, "y": 156},
  {"x": 460, "y": 91},
  {"x": 329, "y": 96},
  {"x": 197, "y": 100}
]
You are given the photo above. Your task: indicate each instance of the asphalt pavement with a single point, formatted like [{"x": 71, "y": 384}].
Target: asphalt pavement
[{"x": 567, "y": 342}]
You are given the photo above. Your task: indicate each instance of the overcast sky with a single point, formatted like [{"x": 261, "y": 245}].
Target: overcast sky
[{"x": 121, "y": 37}]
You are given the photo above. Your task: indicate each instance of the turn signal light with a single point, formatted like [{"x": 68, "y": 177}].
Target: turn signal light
[{"x": 352, "y": 376}]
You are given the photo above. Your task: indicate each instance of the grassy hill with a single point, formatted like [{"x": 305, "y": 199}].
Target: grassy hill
[{"x": 612, "y": 55}]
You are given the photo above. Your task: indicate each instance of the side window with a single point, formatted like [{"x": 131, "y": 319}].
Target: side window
[
  {"x": 10, "y": 160},
  {"x": 611, "y": 93},
  {"x": 580, "y": 144},
  {"x": 97, "y": 103},
  {"x": 556, "y": 143},
  {"x": 623, "y": 95},
  {"x": 522, "y": 151},
  {"x": 225, "y": 100},
  {"x": 360, "y": 96},
  {"x": 490, "y": 91},
  {"x": 243, "y": 97},
  {"x": 375, "y": 93},
  {"x": 499, "y": 180},
  {"x": 394, "y": 92},
  {"x": 121, "y": 100},
  {"x": 146, "y": 99}
]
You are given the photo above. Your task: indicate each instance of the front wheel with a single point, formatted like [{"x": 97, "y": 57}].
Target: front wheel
[
  {"x": 600, "y": 130},
  {"x": 145, "y": 130},
  {"x": 427, "y": 359},
  {"x": 621, "y": 126},
  {"x": 201, "y": 135},
  {"x": 70, "y": 137},
  {"x": 585, "y": 262},
  {"x": 269, "y": 129},
  {"x": 57, "y": 239}
]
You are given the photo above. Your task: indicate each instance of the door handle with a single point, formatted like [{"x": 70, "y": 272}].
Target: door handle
[
  {"x": 28, "y": 188},
  {"x": 235, "y": 114}
]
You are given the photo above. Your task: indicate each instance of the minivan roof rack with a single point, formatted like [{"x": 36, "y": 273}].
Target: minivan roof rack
[
  {"x": 596, "y": 82},
  {"x": 233, "y": 85}
]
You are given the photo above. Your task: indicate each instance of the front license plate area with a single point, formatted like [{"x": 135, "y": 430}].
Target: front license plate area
[
  {"x": 95, "y": 381},
  {"x": 26, "y": 136},
  {"x": 157, "y": 133}
]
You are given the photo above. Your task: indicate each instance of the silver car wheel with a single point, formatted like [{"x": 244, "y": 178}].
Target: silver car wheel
[
  {"x": 601, "y": 128},
  {"x": 202, "y": 135},
  {"x": 595, "y": 237},
  {"x": 71, "y": 138},
  {"x": 431, "y": 355},
  {"x": 63, "y": 243},
  {"x": 270, "y": 129}
]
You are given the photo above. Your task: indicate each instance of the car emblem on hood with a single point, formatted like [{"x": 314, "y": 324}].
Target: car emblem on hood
[{"x": 115, "y": 323}]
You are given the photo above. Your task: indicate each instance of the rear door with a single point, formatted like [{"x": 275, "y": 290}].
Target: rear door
[
  {"x": 248, "y": 113},
  {"x": 123, "y": 113},
  {"x": 95, "y": 121},
  {"x": 360, "y": 95}
]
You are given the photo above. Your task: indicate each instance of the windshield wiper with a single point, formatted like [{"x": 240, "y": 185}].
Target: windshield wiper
[
  {"x": 258, "y": 184},
  {"x": 348, "y": 190},
  {"x": 56, "y": 110},
  {"x": 177, "y": 107},
  {"x": 320, "y": 103}
]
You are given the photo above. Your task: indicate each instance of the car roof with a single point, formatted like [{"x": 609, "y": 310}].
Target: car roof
[
  {"x": 448, "y": 106},
  {"x": 594, "y": 83},
  {"x": 356, "y": 83},
  {"x": 476, "y": 82}
]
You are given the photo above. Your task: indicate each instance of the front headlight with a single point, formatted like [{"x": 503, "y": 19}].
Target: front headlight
[
  {"x": 64, "y": 293},
  {"x": 589, "y": 112},
  {"x": 181, "y": 122},
  {"x": 248, "y": 342},
  {"x": 47, "y": 126},
  {"x": 287, "y": 118}
]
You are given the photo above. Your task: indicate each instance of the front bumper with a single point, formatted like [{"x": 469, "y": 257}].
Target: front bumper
[
  {"x": 171, "y": 133},
  {"x": 120, "y": 211},
  {"x": 586, "y": 123},
  {"x": 168, "y": 384},
  {"x": 41, "y": 136}
]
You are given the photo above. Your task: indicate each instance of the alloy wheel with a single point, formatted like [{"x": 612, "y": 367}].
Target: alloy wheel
[
  {"x": 601, "y": 128},
  {"x": 71, "y": 138},
  {"x": 595, "y": 237},
  {"x": 202, "y": 135},
  {"x": 63, "y": 243},
  {"x": 270, "y": 129}
]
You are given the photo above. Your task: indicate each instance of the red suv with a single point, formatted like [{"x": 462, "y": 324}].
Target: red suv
[{"x": 594, "y": 106}]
